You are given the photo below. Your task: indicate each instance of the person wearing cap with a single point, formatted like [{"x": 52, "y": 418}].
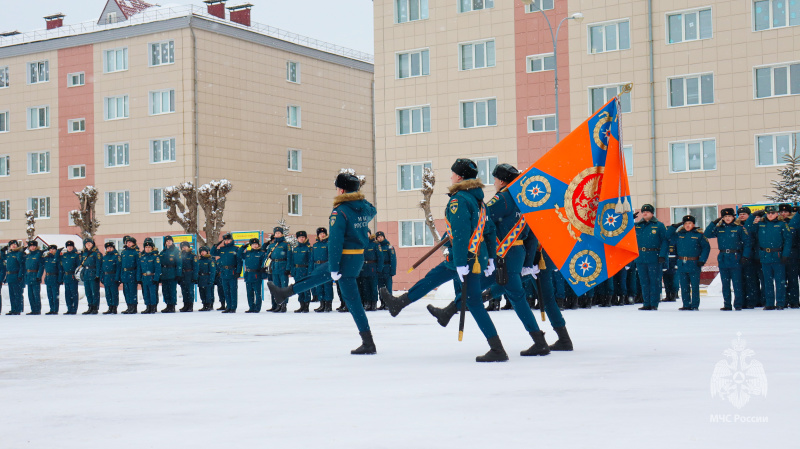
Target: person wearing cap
[
  {"x": 70, "y": 260},
  {"x": 651, "y": 235},
  {"x": 278, "y": 252},
  {"x": 670, "y": 275},
  {"x": 253, "y": 258},
  {"x": 735, "y": 250},
  {"x": 349, "y": 220},
  {"x": 34, "y": 269},
  {"x": 111, "y": 270},
  {"x": 91, "y": 261},
  {"x": 148, "y": 272},
  {"x": 206, "y": 273},
  {"x": 187, "y": 277},
  {"x": 692, "y": 248},
  {"x": 319, "y": 256},
  {"x": 773, "y": 241},
  {"x": 3, "y": 250},
  {"x": 388, "y": 263},
  {"x": 368, "y": 278},
  {"x": 751, "y": 269},
  {"x": 229, "y": 265},
  {"x": 52, "y": 277},
  {"x": 299, "y": 263},
  {"x": 129, "y": 257},
  {"x": 15, "y": 276},
  {"x": 171, "y": 269},
  {"x": 793, "y": 267}
]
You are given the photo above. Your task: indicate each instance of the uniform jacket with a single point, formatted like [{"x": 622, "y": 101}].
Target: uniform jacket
[
  {"x": 300, "y": 260},
  {"x": 188, "y": 267},
  {"x": 773, "y": 239},
  {"x": 733, "y": 241},
  {"x": 130, "y": 261},
  {"x": 503, "y": 211},
  {"x": 171, "y": 267},
  {"x": 253, "y": 263},
  {"x": 388, "y": 259},
  {"x": 349, "y": 225},
  {"x": 229, "y": 265},
  {"x": 34, "y": 267},
  {"x": 91, "y": 262},
  {"x": 112, "y": 268},
  {"x": 462, "y": 212},
  {"x": 651, "y": 235},
  {"x": 149, "y": 267},
  {"x": 15, "y": 265},
  {"x": 320, "y": 252},
  {"x": 2, "y": 266},
  {"x": 793, "y": 229},
  {"x": 70, "y": 260},
  {"x": 206, "y": 271},
  {"x": 372, "y": 260},
  {"x": 689, "y": 244},
  {"x": 279, "y": 252},
  {"x": 52, "y": 269}
]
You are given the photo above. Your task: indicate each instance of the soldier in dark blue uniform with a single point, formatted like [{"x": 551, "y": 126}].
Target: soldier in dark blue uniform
[
  {"x": 653, "y": 250},
  {"x": 112, "y": 274},
  {"x": 300, "y": 267},
  {"x": 229, "y": 266},
  {"x": 34, "y": 269},
  {"x": 349, "y": 222},
  {"x": 148, "y": 272},
  {"x": 218, "y": 284},
  {"x": 253, "y": 262},
  {"x": 388, "y": 263},
  {"x": 320, "y": 256},
  {"x": 15, "y": 277},
  {"x": 206, "y": 273},
  {"x": 91, "y": 261},
  {"x": 2, "y": 273},
  {"x": 735, "y": 249},
  {"x": 170, "y": 272},
  {"x": 70, "y": 260},
  {"x": 751, "y": 268},
  {"x": 670, "y": 276},
  {"x": 774, "y": 242},
  {"x": 368, "y": 279},
  {"x": 130, "y": 260},
  {"x": 793, "y": 265},
  {"x": 188, "y": 276},
  {"x": 692, "y": 248},
  {"x": 52, "y": 277},
  {"x": 278, "y": 253}
]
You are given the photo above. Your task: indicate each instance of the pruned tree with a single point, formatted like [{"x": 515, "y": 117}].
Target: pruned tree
[
  {"x": 212, "y": 198},
  {"x": 182, "y": 211},
  {"x": 787, "y": 189},
  {"x": 85, "y": 218},
  {"x": 428, "y": 182},
  {"x": 30, "y": 221}
]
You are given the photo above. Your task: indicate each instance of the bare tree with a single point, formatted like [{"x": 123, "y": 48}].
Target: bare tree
[
  {"x": 86, "y": 218},
  {"x": 428, "y": 182},
  {"x": 184, "y": 212},
  {"x": 212, "y": 198},
  {"x": 30, "y": 229}
]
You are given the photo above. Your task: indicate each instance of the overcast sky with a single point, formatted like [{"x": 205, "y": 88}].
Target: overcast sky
[{"x": 342, "y": 22}]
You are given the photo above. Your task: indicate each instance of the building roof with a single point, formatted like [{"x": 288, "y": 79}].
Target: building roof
[{"x": 131, "y": 7}]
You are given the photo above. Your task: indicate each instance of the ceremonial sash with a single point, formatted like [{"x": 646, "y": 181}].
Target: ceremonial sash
[{"x": 512, "y": 236}]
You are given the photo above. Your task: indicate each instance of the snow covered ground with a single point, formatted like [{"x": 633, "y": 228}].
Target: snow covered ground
[{"x": 207, "y": 380}]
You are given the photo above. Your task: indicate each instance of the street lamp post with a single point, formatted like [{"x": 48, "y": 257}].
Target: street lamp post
[{"x": 577, "y": 16}]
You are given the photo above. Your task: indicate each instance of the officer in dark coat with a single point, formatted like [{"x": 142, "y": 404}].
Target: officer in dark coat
[
  {"x": 278, "y": 253},
  {"x": 2, "y": 273},
  {"x": 692, "y": 248},
  {"x": 348, "y": 224},
  {"x": 320, "y": 256},
  {"x": 653, "y": 251},
  {"x": 70, "y": 260},
  {"x": 34, "y": 269},
  {"x": 218, "y": 283},
  {"x": 129, "y": 261},
  {"x": 148, "y": 272},
  {"x": 52, "y": 277},
  {"x": 91, "y": 261},
  {"x": 206, "y": 273},
  {"x": 171, "y": 269},
  {"x": 735, "y": 249},
  {"x": 388, "y": 262},
  {"x": 112, "y": 275},
  {"x": 670, "y": 276},
  {"x": 188, "y": 276},
  {"x": 793, "y": 266},
  {"x": 751, "y": 268},
  {"x": 368, "y": 278},
  {"x": 774, "y": 242},
  {"x": 229, "y": 265},
  {"x": 300, "y": 258},
  {"x": 15, "y": 276},
  {"x": 253, "y": 258}
]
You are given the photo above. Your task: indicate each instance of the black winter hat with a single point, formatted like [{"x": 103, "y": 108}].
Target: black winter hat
[
  {"x": 255, "y": 241},
  {"x": 227, "y": 236},
  {"x": 204, "y": 248},
  {"x": 347, "y": 182},
  {"x": 745, "y": 209},
  {"x": 648, "y": 208},
  {"x": 186, "y": 244},
  {"x": 33, "y": 243},
  {"x": 321, "y": 231},
  {"x": 785, "y": 207},
  {"x": 771, "y": 209},
  {"x": 13, "y": 242},
  {"x": 301, "y": 234},
  {"x": 277, "y": 229},
  {"x": 466, "y": 168},
  {"x": 380, "y": 234},
  {"x": 68, "y": 244},
  {"x": 52, "y": 247},
  {"x": 727, "y": 211},
  {"x": 505, "y": 172},
  {"x": 689, "y": 218},
  {"x": 149, "y": 242},
  {"x": 111, "y": 244},
  {"x": 168, "y": 238}
]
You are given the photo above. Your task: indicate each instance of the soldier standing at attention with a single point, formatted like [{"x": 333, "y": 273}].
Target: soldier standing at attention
[
  {"x": 670, "y": 276},
  {"x": 148, "y": 273},
  {"x": 299, "y": 263},
  {"x": 34, "y": 269},
  {"x": 206, "y": 273},
  {"x": 253, "y": 263},
  {"x": 793, "y": 266},
  {"x": 188, "y": 276},
  {"x": 2, "y": 273},
  {"x": 52, "y": 277},
  {"x": 735, "y": 250},
  {"x": 130, "y": 260},
  {"x": 229, "y": 266},
  {"x": 15, "y": 277},
  {"x": 91, "y": 261},
  {"x": 692, "y": 249},
  {"x": 653, "y": 247},
  {"x": 70, "y": 260},
  {"x": 170, "y": 272},
  {"x": 348, "y": 223},
  {"x": 389, "y": 265},
  {"x": 368, "y": 279},
  {"x": 278, "y": 252},
  {"x": 320, "y": 256},
  {"x": 794, "y": 227},
  {"x": 751, "y": 269},
  {"x": 218, "y": 283},
  {"x": 774, "y": 242},
  {"x": 112, "y": 273}
]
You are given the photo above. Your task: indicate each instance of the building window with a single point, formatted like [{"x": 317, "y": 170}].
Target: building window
[
  {"x": 772, "y": 149},
  {"x": 115, "y": 60},
  {"x": 38, "y": 162},
  {"x": 775, "y": 14},
  {"x": 4, "y": 81},
  {"x": 689, "y": 25},
  {"x": 696, "y": 155},
  {"x": 409, "y": 176},
  {"x": 475, "y": 5},
  {"x": 117, "y": 155},
  {"x": 77, "y": 125},
  {"x": 778, "y": 80},
  {"x": 118, "y": 244},
  {"x": 413, "y": 63},
  {"x": 157, "y": 203},
  {"x": 415, "y": 233},
  {"x": 691, "y": 90},
  {"x": 4, "y": 122},
  {"x": 703, "y": 214},
  {"x": 38, "y": 72},
  {"x": 40, "y": 206},
  {"x": 543, "y": 5},
  {"x": 414, "y": 120},
  {"x": 477, "y": 55},
  {"x": 76, "y": 172},
  {"x": 479, "y": 113},
  {"x": 5, "y": 212},
  {"x": 162, "y": 150},
  {"x": 609, "y": 36},
  {"x": 485, "y": 168},
  {"x": 293, "y": 116},
  {"x": 4, "y": 166},
  {"x": 600, "y": 95},
  {"x": 293, "y": 72},
  {"x": 162, "y": 101},
  {"x": 39, "y": 117},
  {"x": 627, "y": 153},
  {"x": 542, "y": 123},
  {"x": 118, "y": 202},
  {"x": 295, "y": 204},
  {"x": 410, "y": 10},
  {"x": 541, "y": 63},
  {"x": 76, "y": 79},
  {"x": 116, "y": 107},
  {"x": 295, "y": 160},
  {"x": 162, "y": 53}
]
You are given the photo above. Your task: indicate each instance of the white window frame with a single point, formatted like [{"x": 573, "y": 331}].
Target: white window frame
[
  {"x": 126, "y": 155},
  {"x": 6, "y": 159},
  {"x": 423, "y": 14},
  {"x": 106, "y": 60},
  {"x": 425, "y": 234},
  {"x": 173, "y": 151},
  {"x": 683, "y": 13},
  {"x": 604, "y": 24},
  {"x": 5, "y": 206},
  {"x": 81, "y": 122},
  {"x": 628, "y": 149},
  {"x": 774, "y": 136},
  {"x": 81, "y": 77},
  {"x": 410, "y": 53},
  {"x": 605, "y": 95},
  {"x": 543, "y": 118},
  {"x": 160, "y": 43},
  {"x": 411, "y": 166},
  {"x": 152, "y": 201},
  {"x": 491, "y": 163},
  {"x": 37, "y": 210},
  {"x": 547, "y": 5},
  {"x": 46, "y": 69},
  {"x": 116, "y": 99},
  {"x": 772, "y": 67},
  {"x": 485, "y": 55},
  {"x": 411, "y": 110},
  {"x": 703, "y": 221},
  {"x": 699, "y": 77},
  {"x": 461, "y": 10},
  {"x": 46, "y": 117},
  {"x": 5, "y": 121},
  {"x": 477, "y": 100},
  {"x": 126, "y": 200},
  {"x": 157, "y": 97},
  {"x": 295, "y": 199},
  {"x": 5, "y": 74},
  {"x": 540, "y": 57},
  {"x": 72, "y": 168},
  {"x": 298, "y": 116},
  {"x": 296, "y": 72},
  {"x": 299, "y": 153},
  {"x": 38, "y": 155},
  {"x": 771, "y": 18},
  {"x": 686, "y": 154}
]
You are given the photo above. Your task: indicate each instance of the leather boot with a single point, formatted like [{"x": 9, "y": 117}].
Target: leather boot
[
  {"x": 189, "y": 306},
  {"x": 328, "y": 306},
  {"x": 394, "y": 304},
  {"x": 281, "y": 308},
  {"x": 343, "y": 308},
  {"x": 494, "y": 305},
  {"x": 88, "y": 311},
  {"x": 367, "y": 344},
  {"x": 222, "y": 305},
  {"x": 496, "y": 352},
  {"x": 321, "y": 307},
  {"x": 443, "y": 315},
  {"x": 113, "y": 310},
  {"x": 108, "y": 312},
  {"x": 169, "y": 309},
  {"x": 280, "y": 294},
  {"x": 507, "y": 306},
  {"x": 303, "y": 308},
  {"x": 563, "y": 343},
  {"x": 539, "y": 345},
  {"x": 382, "y": 306},
  {"x": 368, "y": 306}
]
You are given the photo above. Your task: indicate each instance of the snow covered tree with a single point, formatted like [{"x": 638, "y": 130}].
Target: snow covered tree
[
  {"x": 184, "y": 212},
  {"x": 787, "y": 189},
  {"x": 30, "y": 229},
  {"x": 85, "y": 218},
  {"x": 212, "y": 198},
  {"x": 428, "y": 182}
]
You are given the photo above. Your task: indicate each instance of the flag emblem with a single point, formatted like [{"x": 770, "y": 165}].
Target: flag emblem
[
  {"x": 585, "y": 266},
  {"x": 534, "y": 191}
]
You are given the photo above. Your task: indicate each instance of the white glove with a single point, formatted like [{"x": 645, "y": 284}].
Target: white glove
[
  {"x": 489, "y": 269},
  {"x": 335, "y": 276},
  {"x": 462, "y": 271},
  {"x": 534, "y": 271}
]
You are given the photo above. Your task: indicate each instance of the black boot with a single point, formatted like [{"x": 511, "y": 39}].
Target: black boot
[
  {"x": 539, "y": 345},
  {"x": 563, "y": 343},
  {"x": 382, "y": 306},
  {"x": 280, "y": 294},
  {"x": 303, "y": 308},
  {"x": 169, "y": 309},
  {"x": 88, "y": 311},
  {"x": 496, "y": 352},
  {"x": 368, "y": 306},
  {"x": 96, "y": 309},
  {"x": 206, "y": 307},
  {"x": 146, "y": 310},
  {"x": 560, "y": 303},
  {"x": 113, "y": 310},
  {"x": 328, "y": 306},
  {"x": 281, "y": 308},
  {"x": 321, "y": 307},
  {"x": 107, "y": 312},
  {"x": 444, "y": 315},
  {"x": 395, "y": 305},
  {"x": 367, "y": 344},
  {"x": 222, "y": 306},
  {"x": 494, "y": 305},
  {"x": 508, "y": 306},
  {"x": 343, "y": 308}
]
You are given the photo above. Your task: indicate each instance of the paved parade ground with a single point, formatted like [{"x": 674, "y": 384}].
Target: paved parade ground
[{"x": 208, "y": 380}]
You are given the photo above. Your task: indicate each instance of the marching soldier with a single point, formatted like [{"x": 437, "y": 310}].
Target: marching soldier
[
  {"x": 793, "y": 266},
  {"x": 253, "y": 262},
  {"x": 278, "y": 252},
  {"x": 368, "y": 279},
  {"x": 348, "y": 223},
  {"x": 229, "y": 266},
  {"x": 129, "y": 262},
  {"x": 692, "y": 248},
  {"x": 112, "y": 273},
  {"x": 320, "y": 256},
  {"x": 148, "y": 272},
  {"x": 91, "y": 261},
  {"x": 751, "y": 268},
  {"x": 70, "y": 260},
  {"x": 388, "y": 264},
  {"x": 15, "y": 277},
  {"x": 206, "y": 273},
  {"x": 653, "y": 247},
  {"x": 52, "y": 277},
  {"x": 34, "y": 269},
  {"x": 188, "y": 276},
  {"x": 774, "y": 243},
  {"x": 735, "y": 249},
  {"x": 299, "y": 262},
  {"x": 170, "y": 272}
]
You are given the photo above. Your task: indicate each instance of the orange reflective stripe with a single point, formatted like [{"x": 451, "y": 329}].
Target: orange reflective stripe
[{"x": 511, "y": 238}]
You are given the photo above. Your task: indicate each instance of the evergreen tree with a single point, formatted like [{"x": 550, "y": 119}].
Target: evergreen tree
[{"x": 787, "y": 189}]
